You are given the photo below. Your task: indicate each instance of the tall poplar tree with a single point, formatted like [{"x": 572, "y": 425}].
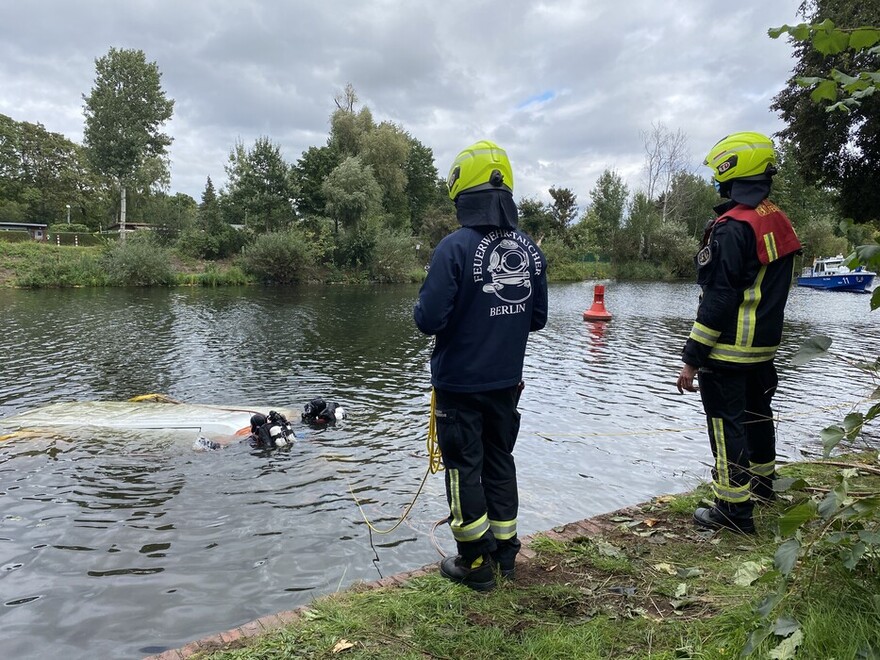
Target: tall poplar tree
[{"x": 124, "y": 115}]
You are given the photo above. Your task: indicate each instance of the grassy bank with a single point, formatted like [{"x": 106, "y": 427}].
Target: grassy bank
[
  {"x": 641, "y": 583},
  {"x": 46, "y": 265}
]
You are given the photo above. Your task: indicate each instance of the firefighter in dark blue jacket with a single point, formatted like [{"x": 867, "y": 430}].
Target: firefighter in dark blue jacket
[
  {"x": 745, "y": 269},
  {"x": 486, "y": 290}
]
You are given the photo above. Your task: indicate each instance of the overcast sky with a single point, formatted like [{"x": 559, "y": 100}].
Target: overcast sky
[{"x": 567, "y": 88}]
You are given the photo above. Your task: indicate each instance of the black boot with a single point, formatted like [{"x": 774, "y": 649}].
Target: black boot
[
  {"x": 507, "y": 568},
  {"x": 735, "y": 517},
  {"x": 478, "y": 574},
  {"x": 504, "y": 557},
  {"x": 762, "y": 490}
]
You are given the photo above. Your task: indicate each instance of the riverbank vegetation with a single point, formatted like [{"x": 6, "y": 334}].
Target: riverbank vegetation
[
  {"x": 369, "y": 205},
  {"x": 639, "y": 583}
]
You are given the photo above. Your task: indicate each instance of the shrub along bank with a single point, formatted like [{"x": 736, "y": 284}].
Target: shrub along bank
[{"x": 273, "y": 258}]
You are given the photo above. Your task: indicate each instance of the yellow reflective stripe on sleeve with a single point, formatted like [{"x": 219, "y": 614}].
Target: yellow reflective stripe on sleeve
[
  {"x": 703, "y": 334},
  {"x": 746, "y": 319},
  {"x": 770, "y": 244},
  {"x": 762, "y": 469},
  {"x": 742, "y": 354},
  {"x": 470, "y": 532},
  {"x": 503, "y": 529}
]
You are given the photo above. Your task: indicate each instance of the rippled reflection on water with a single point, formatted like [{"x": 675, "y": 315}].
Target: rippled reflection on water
[{"x": 127, "y": 543}]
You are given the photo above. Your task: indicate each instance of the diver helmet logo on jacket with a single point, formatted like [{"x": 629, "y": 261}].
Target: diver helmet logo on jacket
[{"x": 509, "y": 269}]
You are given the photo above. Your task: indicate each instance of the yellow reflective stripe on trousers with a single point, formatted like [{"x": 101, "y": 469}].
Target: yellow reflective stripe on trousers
[
  {"x": 703, "y": 334},
  {"x": 722, "y": 487},
  {"x": 471, "y": 532},
  {"x": 745, "y": 322},
  {"x": 460, "y": 531},
  {"x": 503, "y": 529},
  {"x": 742, "y": 354},
  {"x": 762, "y": 469},
  {"x": 731, "y": 493},
  {"x": 722, "y": 476}
]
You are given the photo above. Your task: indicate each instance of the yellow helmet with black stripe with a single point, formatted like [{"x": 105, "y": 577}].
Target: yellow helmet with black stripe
[
  {"x": 741, "y": 155},
  {"x": 481, "y": 166}
]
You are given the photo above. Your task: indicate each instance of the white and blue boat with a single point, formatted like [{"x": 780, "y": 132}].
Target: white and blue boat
[{"x": 830, "y": 273}]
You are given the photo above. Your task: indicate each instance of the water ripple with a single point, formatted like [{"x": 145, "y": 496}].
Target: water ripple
[{"x": 106, "y": 534}]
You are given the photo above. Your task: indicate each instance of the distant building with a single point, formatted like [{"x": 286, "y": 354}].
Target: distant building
[
  {"x": 131, "y": 226},
  {"x": 38, "y": 232}
]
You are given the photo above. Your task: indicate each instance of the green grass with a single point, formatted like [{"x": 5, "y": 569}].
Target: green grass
[
  {"x": 649, "y": 585},
  {"x": 46, "y": 265}
]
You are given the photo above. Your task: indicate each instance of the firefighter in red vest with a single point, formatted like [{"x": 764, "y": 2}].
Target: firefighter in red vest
[{"x": 745, "y": 268}]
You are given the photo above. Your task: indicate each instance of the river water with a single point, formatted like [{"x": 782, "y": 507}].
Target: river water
[{"x": 128, "y": 543}]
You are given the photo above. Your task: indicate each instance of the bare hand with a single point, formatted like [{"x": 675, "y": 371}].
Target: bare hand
[{"x": 686, "y": 379}]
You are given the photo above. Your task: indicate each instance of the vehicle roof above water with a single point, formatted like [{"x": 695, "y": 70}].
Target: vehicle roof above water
[{"x": 206, "y": 419}]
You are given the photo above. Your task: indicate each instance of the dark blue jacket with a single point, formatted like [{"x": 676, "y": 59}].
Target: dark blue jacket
[{"x": 486, "y": 290}]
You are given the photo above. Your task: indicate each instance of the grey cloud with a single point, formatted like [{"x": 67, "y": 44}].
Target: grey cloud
[{"x": 449, "y": 73}]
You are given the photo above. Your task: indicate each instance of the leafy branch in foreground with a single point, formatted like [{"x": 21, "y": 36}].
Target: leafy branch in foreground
[
  {"x": 826, "y": 533},
  {"x": 829, "y": 39}
]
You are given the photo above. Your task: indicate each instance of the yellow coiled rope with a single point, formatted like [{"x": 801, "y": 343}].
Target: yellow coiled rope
[
  {"x": 435, "y": 460},
  {"x": 435, "y": 464}
]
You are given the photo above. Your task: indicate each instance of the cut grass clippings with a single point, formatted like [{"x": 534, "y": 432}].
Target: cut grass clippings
[{"x": 642, "y": 582}]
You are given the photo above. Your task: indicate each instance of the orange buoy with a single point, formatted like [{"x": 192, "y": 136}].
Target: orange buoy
[{"x": 598, "y": 312}]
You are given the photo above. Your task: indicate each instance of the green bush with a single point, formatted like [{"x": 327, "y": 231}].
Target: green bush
[
  {"x": 286, "y": 257},
  {"x": 354, "y": 248},
  {"x": 566, "y": 263},
  {"x": 199, "y": 243},
  {"x": 73, "y": 228},
  {"x": 394, "y": 258},
  {"x": 676, "y": 249},
  {"x": 641, "y": 270},
  {"x": 578, "y": 271},
  {"x": 61, "y": 267},
  {"x": 138, "y": 261},
  {"x": 15, "y": 236},
  {"x": 214, "y": 276}
]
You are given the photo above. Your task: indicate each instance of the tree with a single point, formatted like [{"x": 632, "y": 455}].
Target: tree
[
  {"x": 124, "y": 114},
  {"x": 347, "y": 127},
  {"x": 41, "y": 173},
  {"x": 690, "y": 201},
  {"x": 563, "y": 210},
  {"x": 422, "y": 191},
  {"x": 309, "y": 173},
  {"x": 535, "y": 218},
  {"x": 666, "y": 154},
  {"x": 837, "y": 69},
  {"x": 608, "y": 197},
  {"x": 352, "y": 193},
  {"x": 260, "y": 189},
  {"x": 643, "y": 222},
  {"x": 386, "y": 150}
]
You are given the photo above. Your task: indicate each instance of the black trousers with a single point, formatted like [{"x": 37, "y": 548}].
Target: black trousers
[
  {"x": 476, "y": 433},
  {"x": 742, "y": 433}
]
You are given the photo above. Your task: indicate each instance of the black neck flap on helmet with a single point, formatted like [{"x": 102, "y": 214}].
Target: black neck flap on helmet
[
  {"x": 750, "y": 191},
  {"x": 487, "y": 208}
]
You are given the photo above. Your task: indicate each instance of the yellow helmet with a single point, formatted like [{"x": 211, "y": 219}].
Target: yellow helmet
[
  {"x": 741, "y": 155},
  {"x": 481, "y": 166}
]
